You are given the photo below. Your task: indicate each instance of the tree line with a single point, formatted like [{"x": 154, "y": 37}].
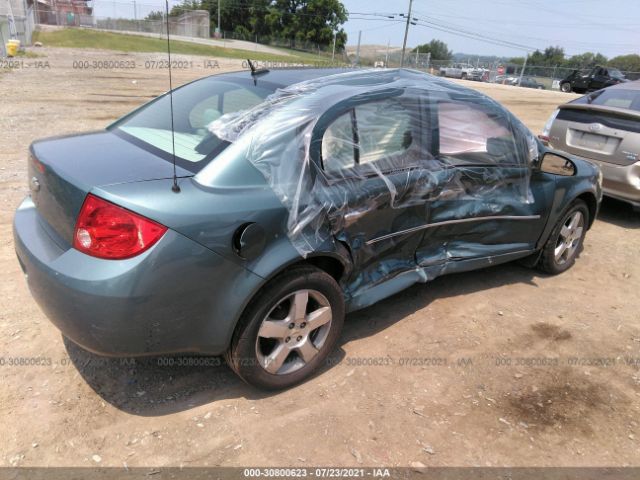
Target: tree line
[
  {"x": 299, "y": 22},
  {"x": 554, "y": 56}
]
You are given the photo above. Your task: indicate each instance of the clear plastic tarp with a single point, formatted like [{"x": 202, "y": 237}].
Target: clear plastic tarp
[{"x": 337, "y": 147}]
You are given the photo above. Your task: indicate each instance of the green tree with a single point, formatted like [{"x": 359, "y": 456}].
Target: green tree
[
  {"x": 438, "y": 49},
  {"x": 553, "y": 56},
  {"x": 159, "y": 15},
  {"x": 313, "y": 21},
  {"x": 629, "y": 63},
  {"x": 585, "y": 60}
]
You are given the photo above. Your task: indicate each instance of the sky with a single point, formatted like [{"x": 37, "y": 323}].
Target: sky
[{"x": 611, "y": 27}]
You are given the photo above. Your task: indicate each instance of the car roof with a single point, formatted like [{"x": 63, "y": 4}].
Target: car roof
[{"x": 285, "y": 77}]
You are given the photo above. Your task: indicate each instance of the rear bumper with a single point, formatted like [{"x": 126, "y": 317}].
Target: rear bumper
[
  {"x": 168, "y": 299},
  {"x": 621, "y": 182}
]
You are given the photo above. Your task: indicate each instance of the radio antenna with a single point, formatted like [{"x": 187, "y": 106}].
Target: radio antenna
[{"x": 175, "y": 188}]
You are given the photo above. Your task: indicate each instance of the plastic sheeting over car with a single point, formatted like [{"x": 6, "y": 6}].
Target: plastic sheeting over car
[{"x": 368, "y": 156}]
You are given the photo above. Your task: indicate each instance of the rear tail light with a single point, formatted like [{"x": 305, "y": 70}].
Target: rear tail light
[
  {"x": 547, "y": 126},
  {"x": 105, "y": 230}
]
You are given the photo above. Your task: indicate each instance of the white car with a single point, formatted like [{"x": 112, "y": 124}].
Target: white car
[{"x": 463, "y": 71}]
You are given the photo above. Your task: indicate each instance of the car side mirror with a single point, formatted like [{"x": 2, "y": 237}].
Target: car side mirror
[{"x": 557, "y": 165}]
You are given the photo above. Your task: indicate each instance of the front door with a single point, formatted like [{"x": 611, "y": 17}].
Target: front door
[{"x": 484, "y": 210}]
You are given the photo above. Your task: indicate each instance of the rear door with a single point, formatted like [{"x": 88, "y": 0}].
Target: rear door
[
  {"x": 599, "y": 79},
  {"x": 371, "y": 154}
]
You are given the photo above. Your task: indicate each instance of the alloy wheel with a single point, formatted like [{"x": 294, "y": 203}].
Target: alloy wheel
[
  {"x": 293, "y": 332},
  {"x": 569, "y": 238}
]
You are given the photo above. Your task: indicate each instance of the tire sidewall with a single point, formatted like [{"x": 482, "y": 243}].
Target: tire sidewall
[
  {"x": 550, "y": 262},
  {"x": 242, "y": 353}
]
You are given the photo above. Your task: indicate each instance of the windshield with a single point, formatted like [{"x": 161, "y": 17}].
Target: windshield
[
  {"x": 615, "y": 73},
  {"x": 195, "y": 106}
]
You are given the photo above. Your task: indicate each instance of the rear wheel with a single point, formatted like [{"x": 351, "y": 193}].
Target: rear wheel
[
  {"x": 565, "y": 87},
  {"x": 464, "y": 76},
  {"x": 565, "y": 242},
  {"x": 288, "y": 330}
]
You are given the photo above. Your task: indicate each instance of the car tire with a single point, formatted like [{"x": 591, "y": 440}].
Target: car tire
[
  {"x": 266, "y": 351},
  {"x": 565, "y": 242},
  {"x": 464, "y": 76},
  {"x": 565, "y": 87}
]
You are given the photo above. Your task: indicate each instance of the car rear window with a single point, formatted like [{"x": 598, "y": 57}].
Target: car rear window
[
  {"x": 618, "y": 98},
  {"x": 195, "y": 106}
]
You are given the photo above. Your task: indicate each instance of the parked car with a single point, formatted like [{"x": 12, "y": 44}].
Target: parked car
[
  {"x": 463, "y": 71},
  {"x": 505, "y": 79},
  {"x": 478, "y": 74},
  {"x": 529, "y": 82},
  {"x": 599, "y": 77},
  {"x": 298, "y": 195},
  {"x": 603, "y": 127}
]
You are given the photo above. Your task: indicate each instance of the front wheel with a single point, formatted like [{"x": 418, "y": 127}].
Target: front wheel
[
  {"x": 565, "y": 242},
  {"x": 565, "y": 87},
  {"x": 288, "y": 330}
]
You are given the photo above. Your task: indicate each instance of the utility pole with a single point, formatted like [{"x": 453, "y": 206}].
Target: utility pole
[
  {"x": 218, "y": 26},
  {"x": 358, "y": 49},
  {"x": 333, "y": 53},
  {"x": 135, "y": 15},
  {"x": 386, "y": 58},
  {"x": 523, "y": 67},
  {"x": 406, "y": 33}
]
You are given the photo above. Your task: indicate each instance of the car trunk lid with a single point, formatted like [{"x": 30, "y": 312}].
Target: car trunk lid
[
  {"x": 63, "y": 170},
  {"x": 601, "y": 133}
]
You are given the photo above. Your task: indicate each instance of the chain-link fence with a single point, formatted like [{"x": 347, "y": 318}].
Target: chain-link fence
[
  {"x": 535, "y": 76},
  {"x": 193, "y": 23},
  {"x": 17, "y": 21}
]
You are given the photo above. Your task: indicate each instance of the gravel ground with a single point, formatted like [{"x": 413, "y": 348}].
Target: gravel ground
[{"x": 529, "y": 369}]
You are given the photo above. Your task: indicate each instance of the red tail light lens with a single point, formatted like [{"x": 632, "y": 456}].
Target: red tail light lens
[{"x": 105, "y": 230}]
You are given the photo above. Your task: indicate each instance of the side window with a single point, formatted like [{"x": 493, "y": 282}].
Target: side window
[
  {"x": 384, "y": 129},
  {"x": 470, "y": 134},
  {"x": 338, "y": 146},
  {"x": 378, "y": 132}
]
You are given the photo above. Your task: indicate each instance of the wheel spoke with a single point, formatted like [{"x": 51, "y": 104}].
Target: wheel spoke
[
  {"x": 560, "y": 249},
  {"x": 299, "y": 305},
  {"x": 577, "y": 235},
  {"x": 565, "y": 231},
  {"x": 307, "y": 351},
  {"x": 319, "y": 317},
  {"x": 575, "y": 220},
  {"x": 273, "y": 362},
  {"x": 274, "y": 329}
]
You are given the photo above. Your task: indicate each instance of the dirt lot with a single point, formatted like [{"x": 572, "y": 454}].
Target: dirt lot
[{"x": 488, "y": 399}]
